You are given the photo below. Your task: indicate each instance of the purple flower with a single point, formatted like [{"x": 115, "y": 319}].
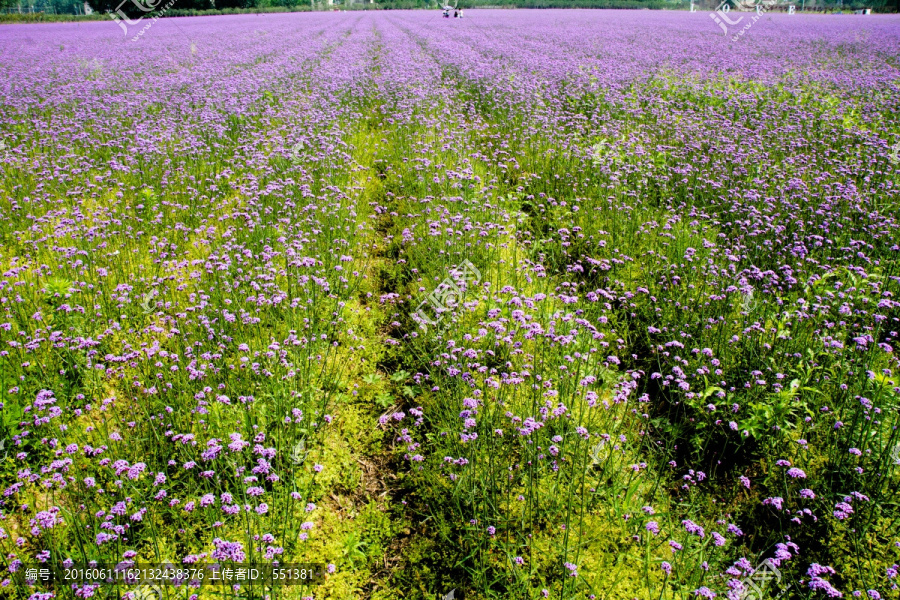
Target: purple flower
[
  {"x": 818, "y": 583},
  {"x": 693, "y": 528},
  {"x": 842, "y": 511},
  {"x": 229, "y": 551},
  {"x": 48, "y": 519}
]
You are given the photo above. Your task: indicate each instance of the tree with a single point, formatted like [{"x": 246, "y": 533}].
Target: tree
[{"x": 140, "y": 8}]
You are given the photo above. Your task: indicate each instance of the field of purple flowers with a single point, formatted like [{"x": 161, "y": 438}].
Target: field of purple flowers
[{"x": 549, "y": 304}]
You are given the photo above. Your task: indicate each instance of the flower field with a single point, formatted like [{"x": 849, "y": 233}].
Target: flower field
[{"x": 529, "y": 304}]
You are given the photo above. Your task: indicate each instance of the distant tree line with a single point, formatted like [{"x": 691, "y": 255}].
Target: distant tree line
[
  {"x": 58, "y": 7},
  {"x": 132, "y": 7}
]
